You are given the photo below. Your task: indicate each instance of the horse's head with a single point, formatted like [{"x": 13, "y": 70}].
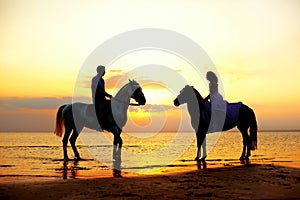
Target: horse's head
[
  {"x": 137, "y": 93},
  {"x": 187, "y": 94},
  {"x": 183, "y": 96}
]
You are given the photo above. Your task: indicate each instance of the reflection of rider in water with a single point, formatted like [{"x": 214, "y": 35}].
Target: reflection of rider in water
[
  {"x": 218, "y": 105},
  {"x": 102, "y": 105}
]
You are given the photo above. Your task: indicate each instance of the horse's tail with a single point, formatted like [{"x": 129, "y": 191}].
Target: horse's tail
[
  {"x": 59, "y": 121},
  {"x": 253, "y": 130}
]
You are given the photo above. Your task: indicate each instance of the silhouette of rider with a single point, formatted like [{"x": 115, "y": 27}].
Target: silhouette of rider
[
  {"x": 102, "y": 105},
  {"x": 218, "y": 105}
]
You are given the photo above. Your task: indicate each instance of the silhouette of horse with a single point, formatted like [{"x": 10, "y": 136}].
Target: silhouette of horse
[
  {"x": 78, "y": 115},
  {"x": 237, "y": 115}
]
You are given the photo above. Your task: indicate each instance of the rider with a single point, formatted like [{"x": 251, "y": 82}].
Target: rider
[
  {"x": 218, "y": 105},
  {"x": 102, "y": 105}
]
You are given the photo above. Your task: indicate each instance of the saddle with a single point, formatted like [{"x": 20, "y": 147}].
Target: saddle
[
  {"x": 104, "y": 109},
  {"x": 103, "y": 114},
  {"x": 232, "y": 114},
  {"x": 90, "y": 111}
]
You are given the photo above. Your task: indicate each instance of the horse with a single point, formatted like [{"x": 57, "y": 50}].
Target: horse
[
  {"x": 237, "y": 115},
  {"x": 74, "y": 117}
]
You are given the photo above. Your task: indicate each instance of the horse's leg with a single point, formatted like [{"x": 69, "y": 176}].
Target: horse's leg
[
  {"x": 73, "y": 139},
  {"x": 244, "y": 122},
  {"x": 199, "y": 144},
  {"x": 198, "y": 156},
  {"x": 117, "y": 143},
  {"x": 200, "y": 140},
  {"x": 204, "y": 153},
  {"x": 117, "y": 158},
  {"x": 120, "y": 146},
  {"x": 198, "y": 150},
  {"x": 242, "y": 125},
  {"x": 246, "y": 148},
  {"x": 117, "y": 146},
  {"x": 65, "y": 143}
]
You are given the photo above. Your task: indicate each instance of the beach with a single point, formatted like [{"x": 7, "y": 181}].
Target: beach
[
  {"x": 256, "y": 181},
  {"x": 31, "y": 167}
]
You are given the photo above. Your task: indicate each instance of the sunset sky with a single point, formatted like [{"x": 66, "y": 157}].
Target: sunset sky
[{"x": 255, "y": 46}]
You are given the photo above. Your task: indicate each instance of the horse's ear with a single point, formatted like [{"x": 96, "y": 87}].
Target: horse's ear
[{"x": 129, "y": 80}]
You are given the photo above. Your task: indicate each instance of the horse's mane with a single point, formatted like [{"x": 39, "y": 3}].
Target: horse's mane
[
  {"x": 122, "y": 88},
  {"x": 130, "y": 82},
  {"x": 198, "y": 95}
]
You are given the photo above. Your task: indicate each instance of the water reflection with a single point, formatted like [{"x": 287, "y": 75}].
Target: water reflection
[
  {"x": 117, "y": 163},
  {"x": 117, "y": 168},
  {"x": 21, "y": 153},
  {"x": 73, "y": 169}
]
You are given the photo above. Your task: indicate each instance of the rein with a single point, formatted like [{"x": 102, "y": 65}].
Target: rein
[
  {"x": 134, "y": 104},
  {"x": 131, "y": 104}
]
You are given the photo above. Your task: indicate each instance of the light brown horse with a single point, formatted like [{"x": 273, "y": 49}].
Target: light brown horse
[{"x": 74, "y": 117}]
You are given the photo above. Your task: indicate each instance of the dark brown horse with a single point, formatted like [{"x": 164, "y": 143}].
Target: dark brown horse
[{"x": 200, "y": 113}]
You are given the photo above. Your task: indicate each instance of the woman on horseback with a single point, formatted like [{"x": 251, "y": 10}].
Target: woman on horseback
[{"x": 218, "y": 105}]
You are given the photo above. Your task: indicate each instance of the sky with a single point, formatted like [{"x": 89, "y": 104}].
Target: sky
[{"x": 44, "y": 44}]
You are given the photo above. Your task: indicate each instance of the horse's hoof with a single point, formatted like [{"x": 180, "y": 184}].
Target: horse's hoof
[
  {"x": 247, "y": 162},
  {"x": 77, "y": 158},
  {"x": 66, "y": 159},
  {"x": 199, "y": 165},
  {"x": 204, "y": 165},
  {"x": 117, "y": 173},
  {"x": 197, "y": 159},
  {"x": 202, "y": 159},
  {"x": 242, "y": 160}
]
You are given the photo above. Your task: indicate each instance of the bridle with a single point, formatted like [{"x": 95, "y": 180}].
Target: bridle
[{"x": 123, "y": 102}]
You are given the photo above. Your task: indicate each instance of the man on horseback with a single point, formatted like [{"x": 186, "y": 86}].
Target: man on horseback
[{"x": 102, "y": 105}]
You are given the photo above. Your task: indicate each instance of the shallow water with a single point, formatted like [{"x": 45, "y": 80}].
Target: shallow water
[{"x": 40, "y": 154}]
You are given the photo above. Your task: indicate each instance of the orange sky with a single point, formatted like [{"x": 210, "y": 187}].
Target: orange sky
[{"x": 43, "y": 45}]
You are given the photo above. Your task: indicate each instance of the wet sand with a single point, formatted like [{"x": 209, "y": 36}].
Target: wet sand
[{"x": 256, "y": 181}]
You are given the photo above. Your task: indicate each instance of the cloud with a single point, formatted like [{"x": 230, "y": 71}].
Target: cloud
[
  {"x": 111, "y": 81},
  {"x": 153, "y": 108},
  {"x": 46, "y": 103},
  {"x": 50, "y": 103},
  {"x": 152, "y": 86},
  {"x": 115, "y": 78},
  {"x": 115, "y": 71}
]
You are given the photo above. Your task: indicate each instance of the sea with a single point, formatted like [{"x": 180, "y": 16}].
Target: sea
[{"x": 40, "y": 154}]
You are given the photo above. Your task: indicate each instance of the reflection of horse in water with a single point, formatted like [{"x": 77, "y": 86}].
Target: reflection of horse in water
[
  {"x": 78, "y": 115},
  {"x": 237, "y": 114}
]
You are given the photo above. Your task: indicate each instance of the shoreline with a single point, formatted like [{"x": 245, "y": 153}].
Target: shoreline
[
  {"x": 255, "y": 181},
  {"x": 125, "y": 173}
]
